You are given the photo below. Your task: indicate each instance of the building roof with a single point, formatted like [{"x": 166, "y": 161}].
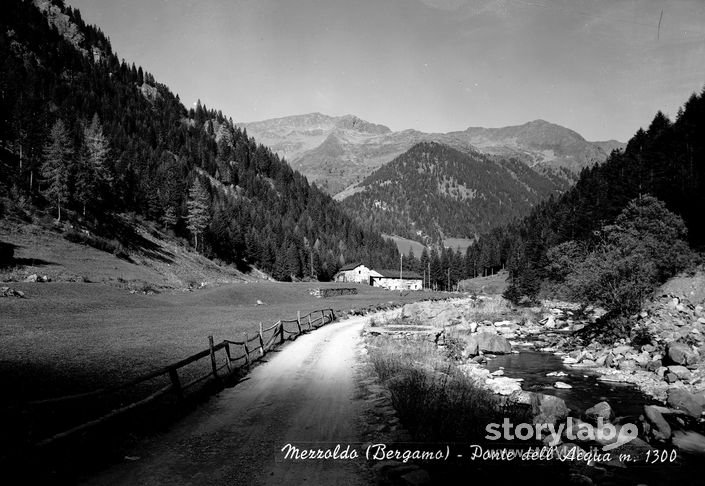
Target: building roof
[
  {"x": 406, "y": 274},
  {"x": 350, "y": 266}
]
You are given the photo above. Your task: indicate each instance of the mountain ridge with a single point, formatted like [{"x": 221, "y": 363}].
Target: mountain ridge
[
  {"x": 367, "y": 146},
  {"x": 434, "y": 191}
]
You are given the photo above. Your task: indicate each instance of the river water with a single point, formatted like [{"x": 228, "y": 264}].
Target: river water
[{"x": 532, "y": 366}]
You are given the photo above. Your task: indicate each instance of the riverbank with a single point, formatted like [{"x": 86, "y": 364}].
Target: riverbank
[{"x": 488, "y": 341}]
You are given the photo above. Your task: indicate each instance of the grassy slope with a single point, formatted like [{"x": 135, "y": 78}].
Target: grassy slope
[
  {"x": 403, "y": 245},
  {"x": 159, "y": 262},
  {"x": 458, "y": 243},
  {"x": 493, "y": 284}
]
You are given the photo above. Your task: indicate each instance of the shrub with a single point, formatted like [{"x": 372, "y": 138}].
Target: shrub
[{"x": 645, "y": 246}]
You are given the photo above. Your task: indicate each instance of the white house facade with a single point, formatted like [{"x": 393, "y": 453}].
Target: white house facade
[
  {"x": 390, "y": 279},
  {"x": 355, "y": 273}
]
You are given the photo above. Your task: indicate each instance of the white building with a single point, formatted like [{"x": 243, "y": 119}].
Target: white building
[
  {"x": 390, "y": 279},
  {"x": 355, "y": 272}
]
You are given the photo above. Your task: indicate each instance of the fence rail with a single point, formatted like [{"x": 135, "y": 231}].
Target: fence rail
[{"x": 253, "y": 349}]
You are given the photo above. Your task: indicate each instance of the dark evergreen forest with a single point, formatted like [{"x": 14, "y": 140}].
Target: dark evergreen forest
[
  {"x": 88, "y": 134},
  {"x": 604, "y": 212},
  {"x": 442, "y": 192}
]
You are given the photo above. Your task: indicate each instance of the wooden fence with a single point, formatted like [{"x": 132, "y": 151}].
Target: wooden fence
[{"x": 251, "y": 349}]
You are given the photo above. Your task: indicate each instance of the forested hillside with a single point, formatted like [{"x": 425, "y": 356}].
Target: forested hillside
[
  {"x": 85, "y": 135},
  {"x": 434, "y": 191},
  {"x": 625, "y": 225}
]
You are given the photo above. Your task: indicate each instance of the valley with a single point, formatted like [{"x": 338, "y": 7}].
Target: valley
[{"x": 184, "y": 296}]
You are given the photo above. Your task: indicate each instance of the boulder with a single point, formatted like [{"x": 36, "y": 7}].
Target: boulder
[
  {"x": 642, "y": 359},
  {"x": 682, "y": 399},
  {"x": 689, "y": 441},
  {"x": 627, "y": 365},
  {"x": 8, "y": 292},
  {"x": 622, "y": 349},
  {"x": 522, "y": 397},
  {"x": 446, "y": 317},
  {"x": 503, "y": 385},
  {"x": 681, "y": 354},
  {"x": 474, "y": 371},
  {"x": 681, "y": 372},
  {"x": 548, "y": 409},
  {"x": 487, "y": 343},
  {"x": 660, "y": 429},
  {"x": 32, "y": 278},
  {"x": 600, "y": 410},
  {"x": 562, "y": 385},
  {"x": 653, "y": 365}
]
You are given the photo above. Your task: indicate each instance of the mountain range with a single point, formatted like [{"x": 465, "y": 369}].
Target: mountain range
[
  {"x": 433, "y": 191},
  {"x": 337, "y": 152}
]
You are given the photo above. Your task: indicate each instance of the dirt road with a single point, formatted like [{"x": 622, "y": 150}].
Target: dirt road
[{"x": 304, "y": 395}]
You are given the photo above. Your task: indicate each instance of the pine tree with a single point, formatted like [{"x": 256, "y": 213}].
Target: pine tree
[
  {"x": 198, "y": 210},
  {"x": 56, "y": 168},
  {"x": 169, "y": 218},
  {"x": 93, "y": 177}
]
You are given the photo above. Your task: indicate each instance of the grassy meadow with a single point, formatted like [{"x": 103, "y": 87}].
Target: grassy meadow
[{"x": 74, "y": 337}]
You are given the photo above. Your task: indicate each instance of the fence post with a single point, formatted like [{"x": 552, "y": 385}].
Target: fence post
[
  {"x": 309, "y": 320},
  {"x": 261, "y": 340},
  {"x": 281, "y": 332},
  {"x": 323, "y": 317},
  {"x": 213, "y": 363},
  {"x": 174, "y": 376},
  {"x": 298, "y": 320},
  {"x": 247, "y": 352},
  {"x": 228, "y": 361}
]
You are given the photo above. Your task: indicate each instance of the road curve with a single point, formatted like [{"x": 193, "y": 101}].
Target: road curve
[{"x": 305, "y": 394}]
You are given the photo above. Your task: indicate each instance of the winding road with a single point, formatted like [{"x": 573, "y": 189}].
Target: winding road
[{"x": 305, "y": 395}]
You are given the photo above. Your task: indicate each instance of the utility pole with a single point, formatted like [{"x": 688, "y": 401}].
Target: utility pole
[
  {"x": 401, "y": 258},
  {"x": 449, "y": 279},
  {"x": 429, "y": 275}
]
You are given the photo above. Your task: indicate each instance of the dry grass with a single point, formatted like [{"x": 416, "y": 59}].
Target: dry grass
[{"x": 434, "y": 400}]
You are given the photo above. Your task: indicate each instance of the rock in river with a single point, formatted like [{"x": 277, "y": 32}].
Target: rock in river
[
  {"x": 600, "y": 410},
  {"x": 487, "y": 343},
  {"x": 681, "y": 399},
  {"x": 660, "y": 429},
  {"x": 548, "y": 409}
]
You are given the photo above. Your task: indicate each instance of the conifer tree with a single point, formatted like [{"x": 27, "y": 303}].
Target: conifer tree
[
  {"x": 198, "y": 210},
  {"x": 169, "y": 217},
  {"x": 56, "y": 168},
  {"x": 93, "y": 177}
]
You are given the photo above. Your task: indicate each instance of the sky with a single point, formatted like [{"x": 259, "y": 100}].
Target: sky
[{"x": 600, "y": 67}]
